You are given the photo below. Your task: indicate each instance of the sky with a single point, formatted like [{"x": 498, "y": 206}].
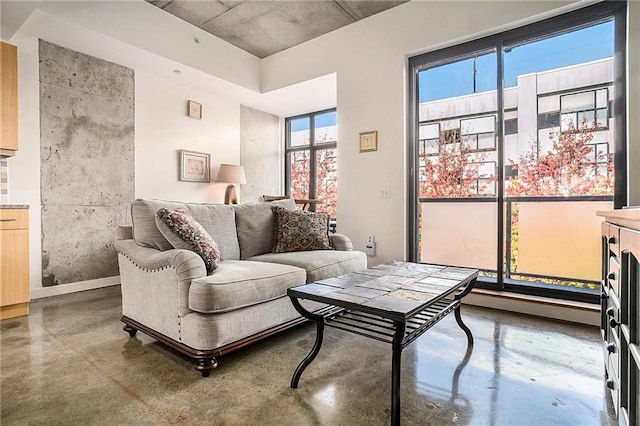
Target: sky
[
  {"x": 456, "y": 79},
  {"x": 322, "y": 120}
]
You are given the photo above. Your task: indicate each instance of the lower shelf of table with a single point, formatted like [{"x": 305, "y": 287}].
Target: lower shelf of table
[{"x": 383, "y": 329}]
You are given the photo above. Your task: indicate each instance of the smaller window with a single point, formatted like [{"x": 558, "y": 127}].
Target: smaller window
[
  {"x": 584, "y": 110},
  {"x": 325, "y": 128},
  {"x": 600, "y": 158},
  {"x": 429, "y": 138},
  {"x": 484, "y": 172},
  {"x": 299, "y": 132},
  {"x": 311, "y": 159},
  {"x": 479, "y": 133}
]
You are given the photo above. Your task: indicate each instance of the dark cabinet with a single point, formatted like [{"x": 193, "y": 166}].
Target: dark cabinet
[{"x": 620, "y": 321}]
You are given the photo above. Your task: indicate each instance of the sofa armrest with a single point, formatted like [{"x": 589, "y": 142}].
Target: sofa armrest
[
  {"x": 188, "y": 265},
  {"x": 155, "y": 285},
  {"x": 341, "y": 242},
  {"x": 124, "y": 232}
]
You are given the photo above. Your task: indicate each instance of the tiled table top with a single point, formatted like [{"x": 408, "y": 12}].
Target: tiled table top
[{"x": 392, "y": 290}]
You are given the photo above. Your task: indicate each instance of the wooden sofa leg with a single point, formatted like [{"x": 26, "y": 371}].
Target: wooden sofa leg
[
  {"x": 132, "y": 331},
  {"x": 205, "y": 365}
]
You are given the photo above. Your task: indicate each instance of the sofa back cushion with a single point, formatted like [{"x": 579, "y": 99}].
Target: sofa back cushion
[
  {"x": 217, "y": 219},
  {"x": 254, "y": 223}
]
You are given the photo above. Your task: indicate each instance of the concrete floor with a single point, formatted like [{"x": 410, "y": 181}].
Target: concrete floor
[{"x": 69, "y": 362}]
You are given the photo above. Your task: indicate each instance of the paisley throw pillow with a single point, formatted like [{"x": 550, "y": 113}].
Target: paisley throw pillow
[
  {"x": 300, "y": 231},
  {"x": 190, "y": 235}
]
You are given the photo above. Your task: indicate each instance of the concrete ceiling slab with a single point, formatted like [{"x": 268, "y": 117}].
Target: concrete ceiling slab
[
  {"x": 195, "y": 11},
  {"x": 231, "y": 3},
  {"x": 159, "y": 3},
  {"x": 265, "y": 27}
]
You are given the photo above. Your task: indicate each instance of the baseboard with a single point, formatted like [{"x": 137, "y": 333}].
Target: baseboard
[
  {"x": 39, "y": 293},
  {"x": 563, "y": 310}
]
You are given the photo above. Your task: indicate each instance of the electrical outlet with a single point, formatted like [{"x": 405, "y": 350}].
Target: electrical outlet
[
  {"x": 385, "y": 192},
  {"x": 371, "y": 239}
]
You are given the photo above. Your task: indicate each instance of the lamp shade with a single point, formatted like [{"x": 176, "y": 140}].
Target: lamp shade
[{"x": 230, "y": 173}]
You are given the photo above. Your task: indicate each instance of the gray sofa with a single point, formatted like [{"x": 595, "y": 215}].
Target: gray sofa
[{"x": 167, "y": 294}]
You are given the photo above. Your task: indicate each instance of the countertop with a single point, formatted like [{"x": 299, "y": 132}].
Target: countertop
[{"x": 14, "y": 206}]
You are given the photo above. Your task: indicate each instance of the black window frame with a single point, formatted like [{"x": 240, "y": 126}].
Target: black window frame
[
  {"x": 586, "y": 16},
  {"x": 312, "y": 147}
]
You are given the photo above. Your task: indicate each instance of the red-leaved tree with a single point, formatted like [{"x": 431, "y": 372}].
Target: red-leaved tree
[
  {"x": 299, "y": 174},
  {"x": 455, "y": 171},
  {"x": 327, "y": 181},
  {"x": 326, "y": 178},
  {"x": 569, "y": 168}
]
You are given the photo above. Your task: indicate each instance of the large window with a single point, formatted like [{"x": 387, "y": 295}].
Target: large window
[
  {"x": 517, "y": 140},
  {"x": 311, "y": 159}
]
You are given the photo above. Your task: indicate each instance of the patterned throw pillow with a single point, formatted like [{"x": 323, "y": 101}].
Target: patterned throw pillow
[
  {"x": 300, "y": 231},
  {"x": 184, "y": 226}
]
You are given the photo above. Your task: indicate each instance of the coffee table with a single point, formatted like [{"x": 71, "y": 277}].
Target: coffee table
[{"x": 394, "y": 303}]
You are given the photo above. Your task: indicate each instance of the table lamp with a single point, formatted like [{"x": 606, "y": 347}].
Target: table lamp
[{"x": 231, "y": 174}]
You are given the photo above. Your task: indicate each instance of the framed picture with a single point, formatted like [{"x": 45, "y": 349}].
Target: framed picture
[
  {"x": 195, "y": 110},
  {"x": 369, "y": 141},
  {"x": 195, "y": 166}
]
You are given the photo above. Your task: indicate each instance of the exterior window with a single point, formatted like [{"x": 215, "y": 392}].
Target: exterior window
[
  {"x": 584, "y": 110},
  {"x": 598, "y": 155},
  {"x": 514, "y": 143},
  {"x": 311, "y": 159},
  {"x": 429, "y": 135},
  {"x": 479, "y": 133}
]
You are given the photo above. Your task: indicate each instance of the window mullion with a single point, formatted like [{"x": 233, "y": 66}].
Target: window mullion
[{"x": 312, "y": 161}]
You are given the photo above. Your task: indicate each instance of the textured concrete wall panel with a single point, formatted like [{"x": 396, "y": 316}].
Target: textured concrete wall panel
[
  {"x": 87, "y": 162},
  {"x": 260, "y": 153},
  {"x": 78, "y": 242},
  {"x": 85, "y": 144},
  {"x": 74, "y": 70}
]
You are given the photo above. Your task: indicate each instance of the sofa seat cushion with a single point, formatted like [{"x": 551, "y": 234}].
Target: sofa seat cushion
[
  {"x": 237, "y": 284},
  {"x": 319, "y": 264}
]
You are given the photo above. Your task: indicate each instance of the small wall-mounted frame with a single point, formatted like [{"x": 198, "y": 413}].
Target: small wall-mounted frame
[
  {"x": 369, "y": 141},
  {"x": 194, "y": 110},
  {"x": 195, "y": 166}
]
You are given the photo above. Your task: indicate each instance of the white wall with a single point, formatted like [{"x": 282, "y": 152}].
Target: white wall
[
  {"x": 370, "y": 59},
  {"x": 163, "y": 128}
]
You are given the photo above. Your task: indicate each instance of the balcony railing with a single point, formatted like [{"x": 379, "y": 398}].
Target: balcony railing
[{"x": 548, "y": 240}]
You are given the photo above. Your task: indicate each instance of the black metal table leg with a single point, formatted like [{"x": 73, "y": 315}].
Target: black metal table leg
[
  {"x": 462, "y": 325},
  {"x": 319, "y": 319},
  {"x": 310, "y": 357},
  {"x": 398, "y": 337}
]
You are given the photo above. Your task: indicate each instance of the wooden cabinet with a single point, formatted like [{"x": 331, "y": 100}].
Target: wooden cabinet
[
  {"x": 620, "y": 325},
  {"x": 8, "y": 99},
  {"x": 14, "y": 262}
]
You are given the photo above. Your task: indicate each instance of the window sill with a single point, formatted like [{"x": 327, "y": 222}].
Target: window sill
[{"x": 563, "y": 310}]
